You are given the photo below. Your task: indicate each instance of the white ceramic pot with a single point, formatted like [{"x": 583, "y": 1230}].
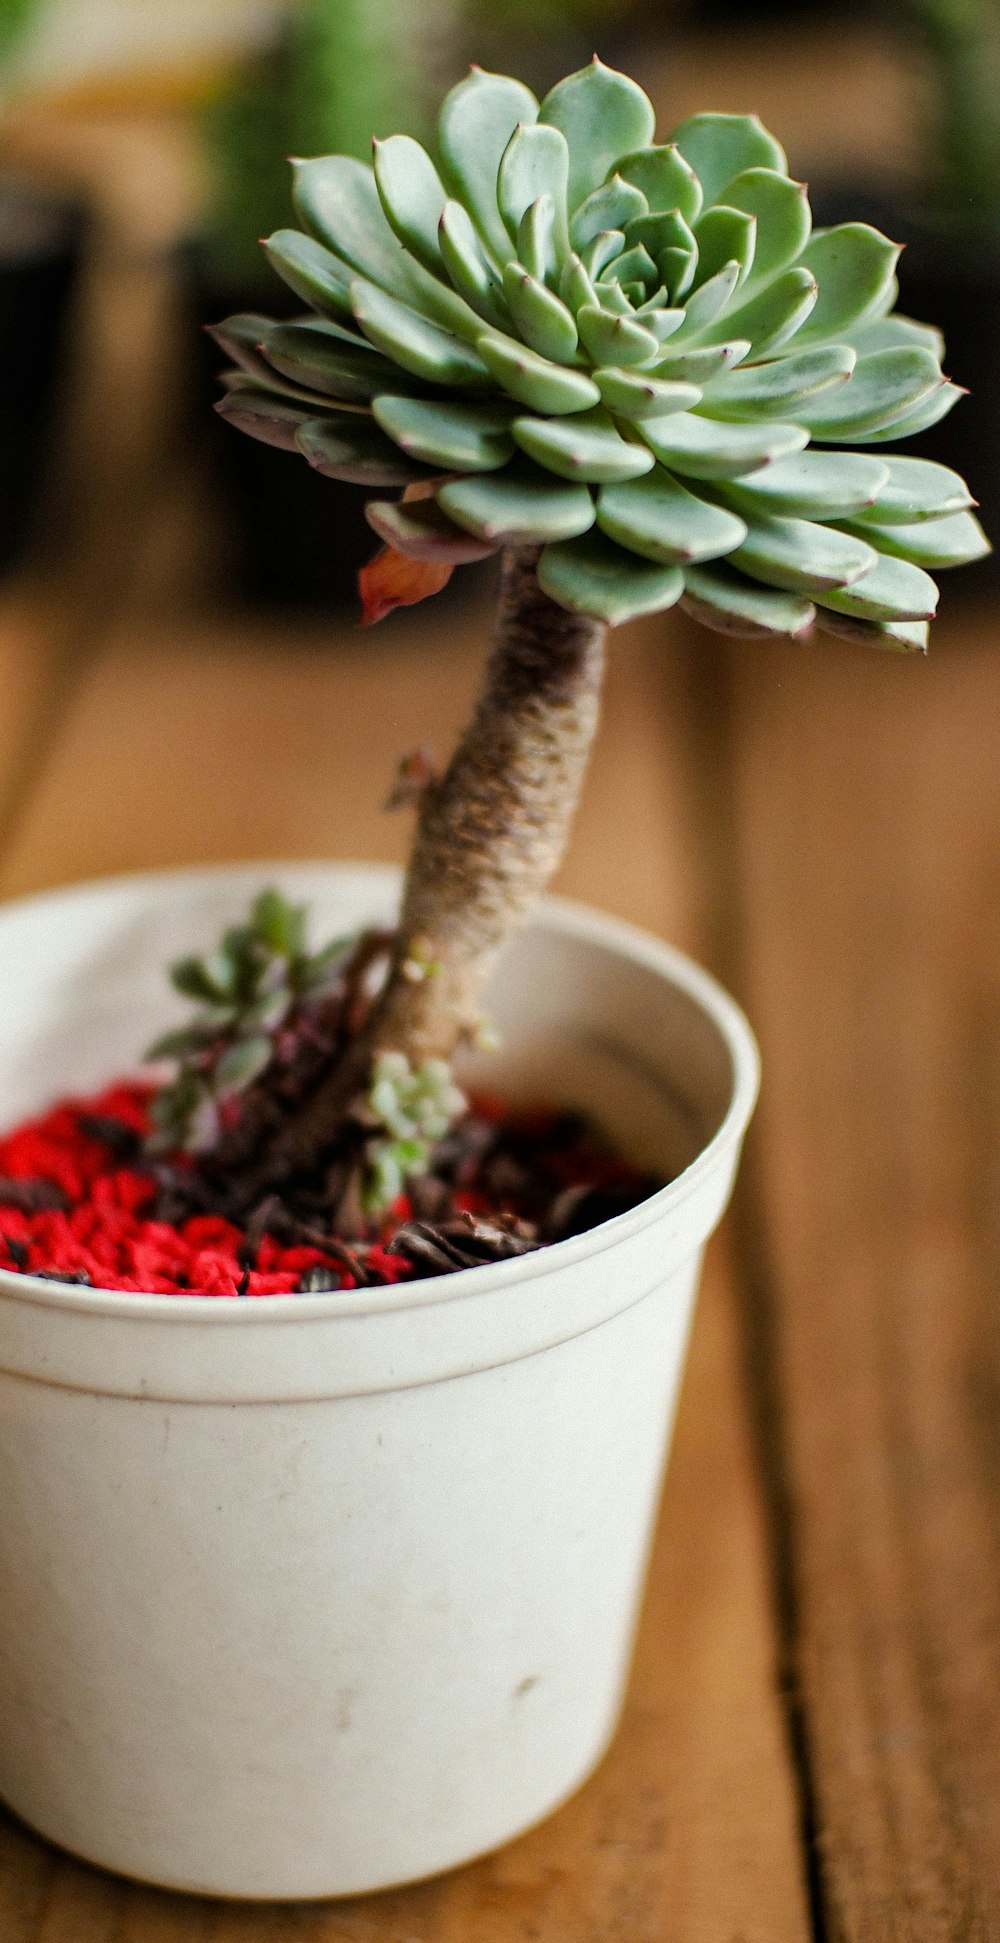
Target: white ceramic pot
[{"x": 304, "y": 1596}]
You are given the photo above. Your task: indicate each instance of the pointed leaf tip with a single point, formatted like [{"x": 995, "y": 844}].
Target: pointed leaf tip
[{"x": 392, "y": 579}]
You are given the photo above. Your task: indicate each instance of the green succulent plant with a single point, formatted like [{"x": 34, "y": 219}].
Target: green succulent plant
[
  {"x": 638, "y": 356},
  {"x": 636, "y": 369}
]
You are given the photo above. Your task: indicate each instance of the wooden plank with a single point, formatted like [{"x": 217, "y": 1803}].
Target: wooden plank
[
  {"x": 206, "y": 741},
  {"x": 30, "y": 657},
  {"x": 867, "y": 832}
]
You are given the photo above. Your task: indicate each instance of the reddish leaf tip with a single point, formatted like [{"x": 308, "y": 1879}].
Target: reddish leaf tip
[{"x": 393, "y": 580}]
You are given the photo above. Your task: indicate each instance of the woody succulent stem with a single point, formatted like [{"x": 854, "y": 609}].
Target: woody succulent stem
[{"x": 490, "y": 834}]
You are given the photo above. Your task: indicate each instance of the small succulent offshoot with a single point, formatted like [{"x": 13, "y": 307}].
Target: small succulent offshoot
[
  {"x": 258, "y": 995},
  {"x": 248, "y": 993},
  {"x": 633, "y": 367},
  {"x": 415, "y": 1109}
]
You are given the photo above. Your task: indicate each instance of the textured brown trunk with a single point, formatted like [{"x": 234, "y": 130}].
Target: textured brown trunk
[{"x": 490, "y": 834}]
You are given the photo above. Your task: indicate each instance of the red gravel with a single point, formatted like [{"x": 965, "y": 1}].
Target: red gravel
[
  {"x": 101, "y": 1233},
  {"x": 81, "y": 1202}
]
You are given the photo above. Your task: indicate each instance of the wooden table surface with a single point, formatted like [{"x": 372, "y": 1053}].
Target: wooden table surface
[{"x": 811, "y": 1745}]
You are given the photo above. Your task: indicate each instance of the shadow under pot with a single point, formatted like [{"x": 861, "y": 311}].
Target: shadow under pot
[{"x": 41, "y": 248}]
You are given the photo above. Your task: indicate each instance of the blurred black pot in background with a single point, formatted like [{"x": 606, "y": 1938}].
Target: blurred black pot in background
[
  {"x": 291, "y": 537},
  {"x": 41, "y": 247}
]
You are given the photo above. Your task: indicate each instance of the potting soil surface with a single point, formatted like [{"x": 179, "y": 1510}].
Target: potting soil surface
[{"x": 81, "y": 1202}]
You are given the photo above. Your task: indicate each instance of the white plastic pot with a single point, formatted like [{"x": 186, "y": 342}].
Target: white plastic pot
[{"x": 303, "y": 1596}]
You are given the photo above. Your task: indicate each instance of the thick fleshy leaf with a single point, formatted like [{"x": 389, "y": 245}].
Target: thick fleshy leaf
[
  {"x": 310, "y": 356},
  {"x": 313, "y": 272},
  {"x": 884, "y": 386},
  {"x": 535, "y": 163},
  {"x": 594, "y": 576},
  {"x": 355, "y": 449},
  {"x": 611, "y": 206},
  {"x": 603, "y": 115},
  {"x": 885, "y": 333},
  {"x": 412, "y": 195},
  {"x": 678, "y": 267},
  {"x": 633, "y": 266},
  {"x": 544, "y": 322},
  {"x": 812, "y": 485},
  {"x": 612, "y": 298},
  {"x": 337, "y": 200},
  {"x": 472, "y": 271},
  {"x": 916, "y": 489},
  {"x": 534, "y": 381},
  {"x": 771, "y": 317},
  {"x": 802, "y": 556},
  {"x": 725, "y": 600},
  {"x": 394, "y": 580},
  {"x": 853, "y": 266},
  {"x": 935, "y": 406},
  {"x": 892, "y": 590},
  {"x": 635, "y": 394},
  {"x": 724, "y": 235},
  {"x": 414, "y": 342},
  {"x": 657, "y": 316},
  {"x": 899, "y": 637},
  {"x": 615, "y": 340},
  {"x": 576, "y": 287},
  {"x": 271, "y": 382},
  {"x": 719, "y": 147},
  {"x": 781, "y": 386},
  {"x": 657, "y": 517},
  {"x": 949, "y": 542},
  {"x": 518, "y": 506},
  {"x": 536, "y": 239},
  {"x": 706, "y": 449},
  {"x": 882, "y": 305},
  {"x": 606, "y": 247},
  {"x": 784, "y": 221},
  {"x": 240, "y": 336},
  {"x": 662, "y": 230},
  {"x": 585, "y": 446},
  {"x": 476, "y": 122},
  {"x": 454, "y": 437},
  {"x": 700, "y": 366},
  {"x": 667, "y": 181},
  {"x": 420, "y": 529},
  {"x": 671, "y": 248},
  {"x": 337, "y": 196},
  {"x": 273, "y": 421},
  {"x": 711, "y": 299}
]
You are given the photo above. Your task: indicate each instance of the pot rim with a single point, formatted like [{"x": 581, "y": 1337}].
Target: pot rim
[{"x": 567, "y": 917}]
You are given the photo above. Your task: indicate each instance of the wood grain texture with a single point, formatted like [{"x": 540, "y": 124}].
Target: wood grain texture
[
  {"x": 195, "y": 741},
  {"x": 867, "y": 830}
]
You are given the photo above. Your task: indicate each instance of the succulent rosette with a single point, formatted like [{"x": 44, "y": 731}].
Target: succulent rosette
[{"x": 638, "y": 356}]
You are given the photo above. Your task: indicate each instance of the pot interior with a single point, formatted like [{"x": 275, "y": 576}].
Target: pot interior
[{"x": 585, "y": 1013}]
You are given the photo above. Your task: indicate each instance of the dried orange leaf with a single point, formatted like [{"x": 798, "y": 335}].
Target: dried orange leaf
[{"x": 393, "y": 580}]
